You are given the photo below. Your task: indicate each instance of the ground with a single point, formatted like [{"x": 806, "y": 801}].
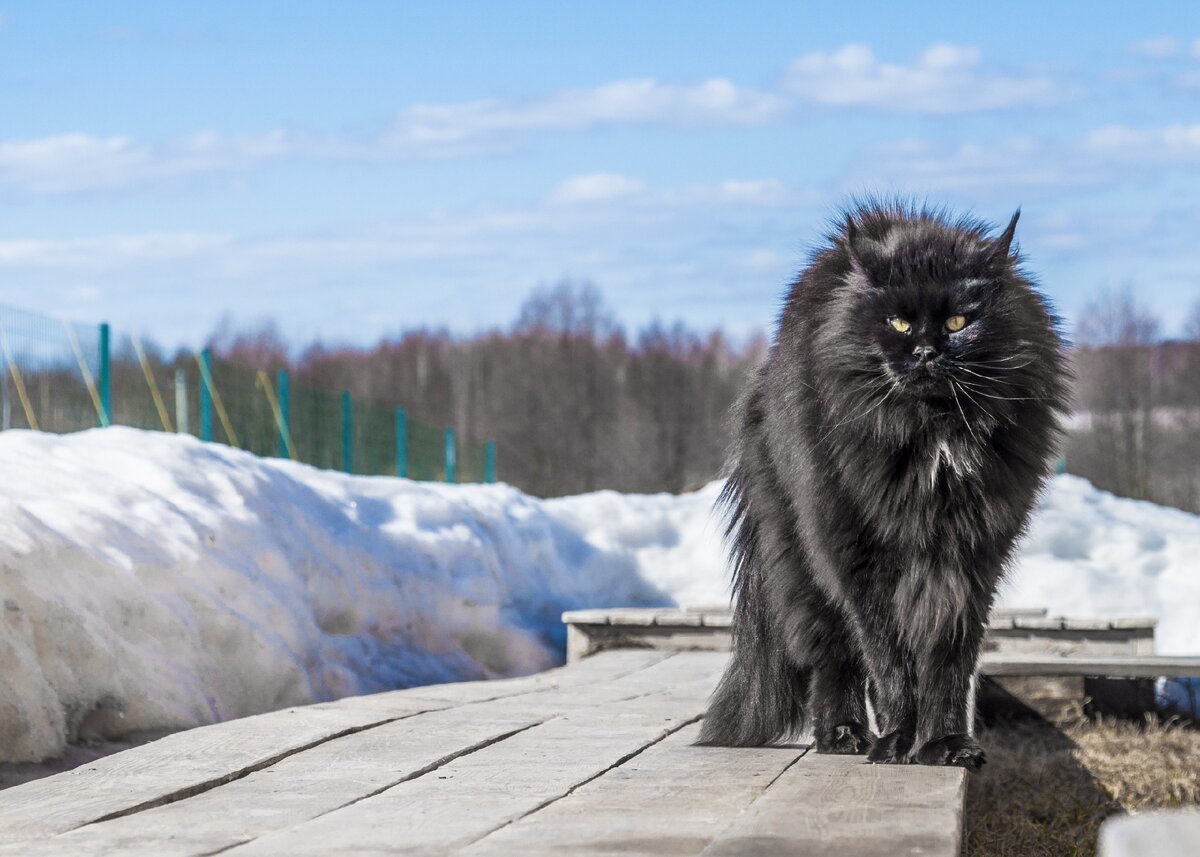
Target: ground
[{"x": 1046, "y": 789}]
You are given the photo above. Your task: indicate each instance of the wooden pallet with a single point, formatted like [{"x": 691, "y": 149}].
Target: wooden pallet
[
  {"x": 1028, "y": 631},
  {"x": 594, "y": 758}
]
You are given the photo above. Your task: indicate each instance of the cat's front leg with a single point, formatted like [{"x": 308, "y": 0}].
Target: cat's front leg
[
  {"x": 944, "y": 714},
  {"x": 893, "y": 688}
]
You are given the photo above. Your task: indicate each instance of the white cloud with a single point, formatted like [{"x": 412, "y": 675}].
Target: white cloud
[
  {"x": 595, "y": 187},
  {"x": 66, "y": 163},
  {"x": 79, "y": 162},
  {"x": 1016, "y": 162},
  {"x": 451, "y": 129},
  {"x": 943, "y": 78},
  {"x": 1173, "y": 143},
  {"x": 110, "y": 251},
  {"x": 1156, "y": 47},
  {"x": 617, "y": 188}
]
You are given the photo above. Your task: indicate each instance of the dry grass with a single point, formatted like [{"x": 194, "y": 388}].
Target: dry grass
[{"x": 1047, "y": 789}]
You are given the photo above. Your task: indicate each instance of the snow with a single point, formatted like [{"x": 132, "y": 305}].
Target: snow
[
  {"x": 152, "y": 581},
  {"x": 149, "y": 581}
]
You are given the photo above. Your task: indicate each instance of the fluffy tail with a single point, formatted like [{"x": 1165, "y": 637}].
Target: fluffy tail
[{"x": 761, "y": 696}]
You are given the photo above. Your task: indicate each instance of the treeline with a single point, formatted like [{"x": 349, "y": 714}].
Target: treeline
[
  {"x": 573, "y": 402},
  {"x": 1136, "y": 429}
]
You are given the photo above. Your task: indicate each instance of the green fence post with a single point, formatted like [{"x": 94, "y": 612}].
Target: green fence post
[
  {"x": 285, "y": 415},
  {"x": 489, "y": 462},
  {"x": 401, "y": 443},
  {"x": 105, "y": 376},
  {"x": 347, "y": 432},
  {"x": 451, "y": 458},
  {"x": 206, "y": 403}
]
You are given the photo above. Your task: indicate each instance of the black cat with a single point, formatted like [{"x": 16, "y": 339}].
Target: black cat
[{"x": 889, "y": 453}]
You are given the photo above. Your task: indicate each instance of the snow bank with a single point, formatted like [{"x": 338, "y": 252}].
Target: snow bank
[{"x": 151, "y": 581}]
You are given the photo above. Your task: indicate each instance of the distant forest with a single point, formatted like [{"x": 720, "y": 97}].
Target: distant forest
[
  {"x": 573, "y": 402},
  {"x": 576, "y": 404}
]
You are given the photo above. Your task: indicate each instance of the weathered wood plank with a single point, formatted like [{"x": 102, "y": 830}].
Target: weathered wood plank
[
  {"x": 475, "y": 794},
  {"x": 299, "y": 788},
  {"x": 339, "y": 772},
  {"x": 672, "y": 799},
  {"x": 1136, "y": 666},
  {"x": 839, "y": 806},
  {"x": 199, "y": 759}
]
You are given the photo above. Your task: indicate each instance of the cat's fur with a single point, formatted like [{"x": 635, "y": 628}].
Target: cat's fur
[{"x": 873, "y": 500}]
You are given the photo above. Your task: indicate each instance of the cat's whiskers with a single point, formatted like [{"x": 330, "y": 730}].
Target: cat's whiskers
[
  {"x": 979, "y": 391},
  {"x": 962, "y": 413},
  {"x": 989, "y": 378},
  {"x": 860, "y": 415},
  {"x": 978, "y": 404}
]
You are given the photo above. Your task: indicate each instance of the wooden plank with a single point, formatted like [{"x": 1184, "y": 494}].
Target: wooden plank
[
  {"x": 678, "y": 618},
  {"x": 1013, "y": 612},
  {"x": 586, "y": 617},
  {"x": 678, "y": 639},
  {"x": 475, "y": 794},
  {"x": 1133, "y": 622},
  {"x": 1137, "y": 666},
  {"x": 843, "y": 807},
  {"x": 674, "y": 798},
  {"x": 342, "y": 771},
  {"x": 718, "y": 620},
  {"x": 295, "y": 790},
  {"x": 199, "y": 759},
  {"x": 614, "y": 665}
]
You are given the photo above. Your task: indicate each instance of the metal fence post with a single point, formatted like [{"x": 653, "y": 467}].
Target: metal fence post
[
  {"x": 285, "y": 415},
  {"x": 105, "y": 377},
  {"x": 401, "y": 443},
  {"x": 347, "y": 432},
  {"x": 489, "y": 462},
  {"x": 181, "y": 402},
  {"x": 206, "y": 404},
  {"x": 451, "y": 458}
]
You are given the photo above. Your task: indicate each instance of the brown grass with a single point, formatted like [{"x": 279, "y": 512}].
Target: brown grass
[{"x": 1047, "y": 789}]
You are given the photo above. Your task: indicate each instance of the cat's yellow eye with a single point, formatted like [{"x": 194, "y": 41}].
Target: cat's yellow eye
[
  {"x": 955, "y": 323},
  {"x": 900, "y": 325}
]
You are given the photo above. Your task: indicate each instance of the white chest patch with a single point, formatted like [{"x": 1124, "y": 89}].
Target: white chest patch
[{"x": 955, "y": 459}]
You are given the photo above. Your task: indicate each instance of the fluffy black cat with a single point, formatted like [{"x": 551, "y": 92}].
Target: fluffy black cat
[{"x": 888, "y": 455}]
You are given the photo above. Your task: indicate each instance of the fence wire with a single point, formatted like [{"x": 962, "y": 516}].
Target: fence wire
[{"x": 61, "y": 377}]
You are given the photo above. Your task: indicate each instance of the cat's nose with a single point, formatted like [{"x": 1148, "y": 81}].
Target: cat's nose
[{"x": 924, "y": 353}]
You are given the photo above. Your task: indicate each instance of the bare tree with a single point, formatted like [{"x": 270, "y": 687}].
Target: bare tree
[{"x": 1137, "y": 429}]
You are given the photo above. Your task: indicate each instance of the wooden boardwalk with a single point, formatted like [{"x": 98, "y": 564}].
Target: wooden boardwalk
[{"x": 594, "y": 758}]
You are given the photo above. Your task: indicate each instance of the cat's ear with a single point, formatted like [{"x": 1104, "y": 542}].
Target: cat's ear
[
  {"x": 1001, "y": 245},
  {"x": 854, "y": 245}
]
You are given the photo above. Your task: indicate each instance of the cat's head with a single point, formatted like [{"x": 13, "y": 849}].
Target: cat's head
[{"x": 931, "y": 301}]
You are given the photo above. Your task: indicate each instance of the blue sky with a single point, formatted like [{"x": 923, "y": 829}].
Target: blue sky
[{"x": 353, "y": 170}]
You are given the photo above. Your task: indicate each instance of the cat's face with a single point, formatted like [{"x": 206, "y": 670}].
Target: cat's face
[{"x": 931, "y": 310}]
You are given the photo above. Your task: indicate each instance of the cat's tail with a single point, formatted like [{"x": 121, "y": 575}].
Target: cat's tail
[{"x": 760, "y": 698}]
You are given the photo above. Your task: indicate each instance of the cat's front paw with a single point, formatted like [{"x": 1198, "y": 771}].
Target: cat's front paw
[
  {"x": 892, "y": 748},
  {"x": 846, "y": 739},
  {"x": 958, "y": 749}
]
